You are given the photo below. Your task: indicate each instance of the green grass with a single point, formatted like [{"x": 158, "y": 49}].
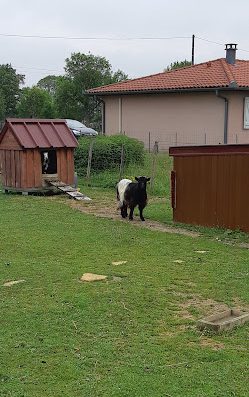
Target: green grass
[
  {"x": 130, "y": 337},
  {"x": 159, "y": 208}
]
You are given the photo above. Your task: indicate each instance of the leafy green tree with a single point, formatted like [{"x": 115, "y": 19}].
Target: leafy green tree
[
  {"x": 35, "y": 102},
  {"x": 2, "y": 107},
  {"x": 84, "y": 71},
  {"x": 10, "y": 83},
  {"x": 178, "y": 65},
  {"x": 48, "y": 84},
  {"x": 65, "y": 103}
]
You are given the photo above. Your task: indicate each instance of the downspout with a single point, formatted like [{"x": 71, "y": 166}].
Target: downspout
[
  {"x": 120, "y": 115},
  {"x": 102, "y": 113},
  {"x": 217, "y": 93},
  {"x": 102, "y": 116}
]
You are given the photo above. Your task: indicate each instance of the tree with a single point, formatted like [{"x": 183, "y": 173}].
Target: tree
[
  {"x": 178, "y": 65},
  {"x": 10, "y": 83},
  {"x": 35, "y": 102},
  {"x": 65, "y": 103},
  {"x": 2, "y": 107},
  {"x": 84, "y": 71},
  {"x": 48, "y": 84}
]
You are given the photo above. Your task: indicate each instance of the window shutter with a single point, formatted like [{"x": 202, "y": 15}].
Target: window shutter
[{"x": 246, "y": 113}]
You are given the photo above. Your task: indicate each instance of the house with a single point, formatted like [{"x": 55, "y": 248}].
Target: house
[
  {"x": 206, "y": 103},
  {"x": 34, "y": 152}
]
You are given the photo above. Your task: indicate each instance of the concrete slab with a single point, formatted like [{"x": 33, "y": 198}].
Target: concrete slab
[{"x": 228, "y": 319}]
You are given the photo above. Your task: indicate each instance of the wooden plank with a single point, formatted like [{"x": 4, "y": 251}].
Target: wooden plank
[
  {"x": 70, "y": 167},
  {"x": 78, "y": 196},
  {"x": 17, "y": 169},
  {"x": 30, "y": 169},
  {"x": 56, "y": 183},
  {"x": 4, "y": 168},
  {"x": 37, "y": 169},
  {"x": 8, "y": 167},
  {"x": 67, "y": 188},
  {"x": 62, "y": 172},
  {"x": 23, "y": 162},
  {"x": 13, "y": 169}
]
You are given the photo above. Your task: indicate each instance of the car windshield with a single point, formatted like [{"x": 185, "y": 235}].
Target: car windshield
[{"x": 74, "y": 124}]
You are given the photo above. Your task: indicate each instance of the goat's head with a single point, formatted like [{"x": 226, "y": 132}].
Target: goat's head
[{"x": 142, "y": 181}]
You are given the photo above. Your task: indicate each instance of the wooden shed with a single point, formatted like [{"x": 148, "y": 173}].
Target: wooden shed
[
  {"x": 210, "y": 185},
  {"x": 34, "y": 152}
]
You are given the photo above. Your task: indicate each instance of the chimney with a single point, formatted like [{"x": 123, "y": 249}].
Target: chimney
[{"x": 231, "y": 53}]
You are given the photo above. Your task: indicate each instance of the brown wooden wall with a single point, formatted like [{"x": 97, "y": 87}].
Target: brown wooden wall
[
  {"x": 21, "y": 169},
  {"x": 212, "y": 190},
  {"x": 65, "y": 165}
]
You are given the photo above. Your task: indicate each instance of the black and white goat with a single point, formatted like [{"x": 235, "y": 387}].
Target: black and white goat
[{"x": 130, "y": 194}]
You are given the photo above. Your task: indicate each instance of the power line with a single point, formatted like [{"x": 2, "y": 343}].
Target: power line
[
  {"x": 110, "y": 38},
  {"x": 92, "y": 38},
  {"x": 215, "y": 42}
]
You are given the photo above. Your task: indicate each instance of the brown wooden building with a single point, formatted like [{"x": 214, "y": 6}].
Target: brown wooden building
[
  {"x": 33, "y": 151},
  {"x": 210, "y": 185}
]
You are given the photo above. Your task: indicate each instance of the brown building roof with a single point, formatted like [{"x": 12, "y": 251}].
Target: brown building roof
[
  {"x": 40, "y": 133},
  {"x": 211, "y": 74}
]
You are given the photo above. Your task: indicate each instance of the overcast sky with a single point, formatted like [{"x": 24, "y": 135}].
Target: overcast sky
[{"x": 220, "y": 21}]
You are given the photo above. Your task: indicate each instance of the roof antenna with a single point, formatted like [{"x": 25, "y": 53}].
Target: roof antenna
[{"x": 193, "y": 50}]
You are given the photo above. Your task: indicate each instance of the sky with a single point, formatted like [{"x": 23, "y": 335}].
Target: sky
[{"x": 139, "y": 37}]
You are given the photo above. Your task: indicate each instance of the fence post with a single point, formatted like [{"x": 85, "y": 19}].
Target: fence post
[
  {"x": 89, "y": 163},
  {"x": 154, "y": 163},
  {"x": 149, "y": 142},
  {"x": 205, "y": 138},
  {"x": 176, "y": 139},
  {"x": 156, "y": 147},
  {"x": 236, "y": 138},
  {"x": 121, "y": 168}
]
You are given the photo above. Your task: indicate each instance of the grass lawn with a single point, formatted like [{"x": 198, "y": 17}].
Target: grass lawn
[{"x": 133, "y": 335}]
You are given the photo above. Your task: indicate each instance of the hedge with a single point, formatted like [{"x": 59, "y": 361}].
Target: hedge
[{"x": 106, "y": 152}]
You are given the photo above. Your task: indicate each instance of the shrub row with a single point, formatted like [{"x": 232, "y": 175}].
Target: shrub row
[{"x": 106, "y": 152}]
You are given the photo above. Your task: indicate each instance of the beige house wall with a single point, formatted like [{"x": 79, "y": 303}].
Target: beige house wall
[
  {"x": 176, "y": 119},
  {"x": 236, "y": 131}
]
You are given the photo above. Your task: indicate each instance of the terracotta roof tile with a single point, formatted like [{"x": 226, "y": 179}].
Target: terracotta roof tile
[{"x": 211, "y": 74}]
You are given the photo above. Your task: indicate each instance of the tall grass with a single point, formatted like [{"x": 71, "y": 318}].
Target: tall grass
[{"x": 157, "y": 166}]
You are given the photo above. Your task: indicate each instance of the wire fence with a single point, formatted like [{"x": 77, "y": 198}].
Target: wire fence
[
  {"x": 116, "y": 165},
  {"x": 119, "y": 166},
  {"x": 171, "y": 138}
]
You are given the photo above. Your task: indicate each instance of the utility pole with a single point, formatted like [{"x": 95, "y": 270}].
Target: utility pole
[{"x": 193, "y": 50}]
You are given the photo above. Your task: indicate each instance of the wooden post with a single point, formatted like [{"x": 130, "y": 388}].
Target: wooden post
[
  {"x": 154, "y": 163},
  {"x": 88, "y": 172},
  {"x": 149, "y": 142},
  {"x": 121, "y": 168}
]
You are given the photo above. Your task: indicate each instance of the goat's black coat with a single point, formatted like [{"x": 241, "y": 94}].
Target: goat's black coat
[{"x": 135, "y": 195}]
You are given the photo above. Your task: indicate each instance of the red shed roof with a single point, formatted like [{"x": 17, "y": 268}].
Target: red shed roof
[
  {"x": 40, "y": 133},
  {"x": 212, "y": 74}
]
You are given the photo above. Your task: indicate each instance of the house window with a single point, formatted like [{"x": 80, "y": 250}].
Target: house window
[
  {"x": 49, "y": 162},
  {"x": 246, "y": 113}
]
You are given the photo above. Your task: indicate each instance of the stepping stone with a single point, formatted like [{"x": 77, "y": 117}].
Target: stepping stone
[
  {"x": 10, "y": 283},
  {"x": 200, "y": 252},
  {"x": 92, "y": 277},
  {"x": 178, "y": 261},
  {"x": 119, "y": 263}
]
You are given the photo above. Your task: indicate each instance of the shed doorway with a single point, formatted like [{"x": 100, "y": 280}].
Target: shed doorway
[{"x": 49, "y": 162}]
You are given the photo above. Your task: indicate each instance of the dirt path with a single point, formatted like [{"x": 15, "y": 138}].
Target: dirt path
[{"x": 103, "y": 208}]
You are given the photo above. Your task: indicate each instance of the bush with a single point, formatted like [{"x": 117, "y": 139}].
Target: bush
[{"x": 106, "y": 153}]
